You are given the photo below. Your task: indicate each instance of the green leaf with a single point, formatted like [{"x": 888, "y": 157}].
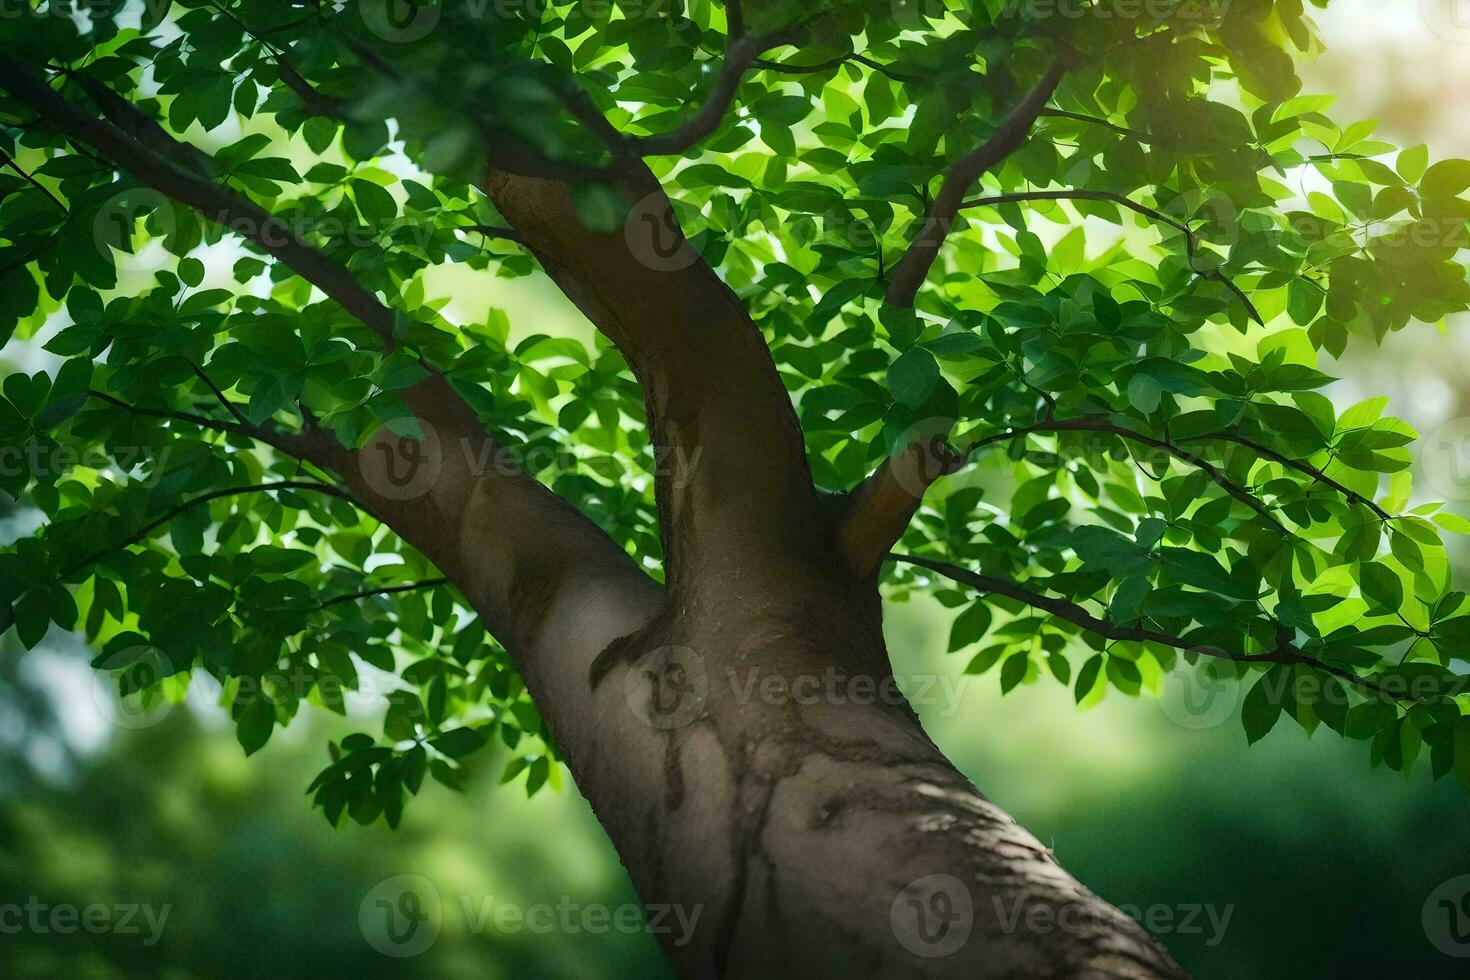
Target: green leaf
[
  {"x": 254, "y": 723},
  {"x": 1381, "y": 586},
  {"x": 1088, "y": 676},
  {"x": 913, "y": 377},
  {"x": 1261, "y": 708},
  {"x": 374, "y": 203},
  {"x": 1448, "y": 178},
  {"x": 458, "y": 742},
  {"x": 1013, "y": 671}
]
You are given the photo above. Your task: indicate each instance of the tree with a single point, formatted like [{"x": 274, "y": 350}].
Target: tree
[{"x": 851, "y": 342}]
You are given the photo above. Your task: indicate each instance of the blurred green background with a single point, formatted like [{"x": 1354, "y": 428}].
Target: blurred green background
[{"x": 1323, "y": 867}]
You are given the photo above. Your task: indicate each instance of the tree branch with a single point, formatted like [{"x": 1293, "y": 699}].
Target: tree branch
[
  {"x": 913, "y": 268},
  {"x": 296, "y": 445},
  {"x": 216, "y": 203},
  {"x": 203, "y": 498},
  {"x": 1083, "y": 117},
  {"x": 876, "y": 514},
  {"x": 880, "y": 510},
  {"x": 823, "y": 66},
  {"x": 1092, "y": 423},
  {"x": 1191, "y": 241},
  {"x": 1353, "y": 497},
  {"x": 719, "y": 415},
  {"x": 739, "y": 55},
  {"x": 220, "y": 396},
  {"x": 6, "y": 160},
  {"x": 315, "y": 102},
  {"x": 427, "y": 583},
  {"x": 1071, "y": 612}
]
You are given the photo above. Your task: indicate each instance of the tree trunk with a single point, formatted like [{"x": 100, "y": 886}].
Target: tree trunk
[{"x": 753, "y": 764}]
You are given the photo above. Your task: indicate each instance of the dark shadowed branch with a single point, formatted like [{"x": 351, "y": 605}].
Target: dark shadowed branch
[
  {"x": 1075, "y": 614},
  {"x": 203, "y": 498},
  {"x": 961, "y": 175},
  {"x": 1191, "y": 241},
  {"x": 880, "y": 510}
]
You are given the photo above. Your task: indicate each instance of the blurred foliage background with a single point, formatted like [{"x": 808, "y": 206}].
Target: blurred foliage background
[{"x": 1324, "y": 870}]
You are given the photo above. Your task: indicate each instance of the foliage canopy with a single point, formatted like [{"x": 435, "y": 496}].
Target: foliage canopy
[{"x": 1122, "y": 336}]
